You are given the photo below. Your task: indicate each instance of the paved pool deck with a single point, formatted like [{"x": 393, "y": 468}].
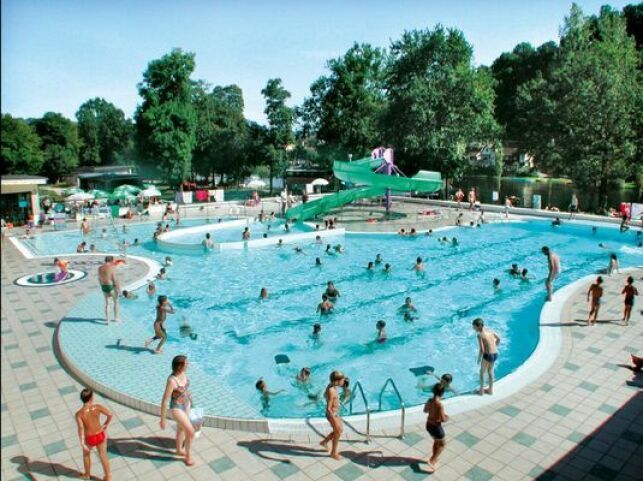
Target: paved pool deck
[{"x": 579, "y": 421}]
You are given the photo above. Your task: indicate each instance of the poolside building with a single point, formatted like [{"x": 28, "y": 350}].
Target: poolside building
[{"x": 20, "y": 197}]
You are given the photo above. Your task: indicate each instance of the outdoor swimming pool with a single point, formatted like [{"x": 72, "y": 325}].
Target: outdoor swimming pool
[{"x": 239, "y": 335}]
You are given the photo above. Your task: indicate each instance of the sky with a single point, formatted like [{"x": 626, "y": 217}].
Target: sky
[{"x": 57, "y": 54}]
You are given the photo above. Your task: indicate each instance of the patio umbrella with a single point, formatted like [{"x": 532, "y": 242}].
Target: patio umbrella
[
  {"x": 150, "y": 191},
  {"x": 80, "y": 197},
  {"x": 99, "y": 194},
  {"x": 256, "y": 184},
  {"x": 132, "y": 189},
  {"x": 123, "y": 195},
  {"x": 319, "y": 181}
]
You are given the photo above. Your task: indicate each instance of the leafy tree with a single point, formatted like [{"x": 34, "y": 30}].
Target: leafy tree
[
  {"x": 634, "y": 22},
  {"x": 511, "y": 70},
  {"x": 60, "y": 145},
  {"x": 581, "y": 121},
  {"x": 438, "y": 102},
  {"x": 221, "y": 130},
  {"x": 280, "y": 122},
  {"x": 344, "y": 107},
  {"x": 19, "y": 147},
  {"x": 103, "y": 130},
  {"x": 166, "y": 120}
]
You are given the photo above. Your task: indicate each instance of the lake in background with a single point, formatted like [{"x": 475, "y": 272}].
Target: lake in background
[{"x": 553, "y": 193}]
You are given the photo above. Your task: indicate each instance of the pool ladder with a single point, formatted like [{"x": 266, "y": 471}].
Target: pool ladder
[{"x": 358, "y": 388}]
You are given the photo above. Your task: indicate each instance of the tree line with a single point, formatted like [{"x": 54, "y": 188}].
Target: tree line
[{"x": 576, "y": 105}]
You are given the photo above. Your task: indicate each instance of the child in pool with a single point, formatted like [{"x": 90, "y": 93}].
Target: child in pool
[{"x": 381, "y": 332}]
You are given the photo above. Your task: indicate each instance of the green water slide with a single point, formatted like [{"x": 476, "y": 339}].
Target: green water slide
[{"x": 360, "y": 172}]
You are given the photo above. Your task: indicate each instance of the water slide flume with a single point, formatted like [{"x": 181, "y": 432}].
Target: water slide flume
[{"x": 375, "y": 176}]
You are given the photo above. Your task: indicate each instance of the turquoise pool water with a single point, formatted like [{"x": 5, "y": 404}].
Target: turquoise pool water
[
  {"x": 239, "y": 335},
  {"x": 65, "y": 242}
]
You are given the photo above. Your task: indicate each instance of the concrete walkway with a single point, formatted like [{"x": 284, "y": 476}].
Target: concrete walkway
[{"x": 580, "y": 421}]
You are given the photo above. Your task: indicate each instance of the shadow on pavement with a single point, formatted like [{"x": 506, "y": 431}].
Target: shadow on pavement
[
  {"x": 31, "y": 469},
  {"x": 612, "y": 450}
]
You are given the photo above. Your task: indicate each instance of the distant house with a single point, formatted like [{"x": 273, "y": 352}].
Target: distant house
[
  {"x": 515, "y": 158},
  {"x": 105, "y": 177},
  {"x": 20, "y": 197},
  {"x": 484, "y": 156},
  {"x": 302, "y": 172}
]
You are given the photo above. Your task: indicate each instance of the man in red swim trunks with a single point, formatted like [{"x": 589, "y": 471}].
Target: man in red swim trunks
[{"x": 92, "y": 433}]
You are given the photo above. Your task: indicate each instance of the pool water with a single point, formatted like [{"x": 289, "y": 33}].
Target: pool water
[
  {"x": 239, "y": 335},
  {"x": 65, "y": 242}
]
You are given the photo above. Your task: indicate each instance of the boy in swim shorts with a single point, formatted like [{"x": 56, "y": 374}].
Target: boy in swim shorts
[
  {"x": 436, "y": 416},
  {"x": 488, "y": 353},
  {"x": 630, "y": 291},
  {"x": 160, "y": 333},
  {"x": 594, "y": 295},
  {"x": 92, "y": 433}
]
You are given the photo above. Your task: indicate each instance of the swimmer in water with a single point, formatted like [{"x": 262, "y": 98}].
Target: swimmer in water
[
  {"x": 613, "y": 265},
  {"x": 316, "y": 332},
  {"x": 129, "y": 295},
  {"x": 378, "y": 259},
  {"x": 318, "y": 240},
  {"x": 325, "y": 307},
  {"x": 162, "y": 275},
  {"x": 280, "y": 242},
  {"x": 151, "y": 289},
  {"x": 298, "y": 250},
  {"x": 409, "y": 317},
  {"x": 429, "y": 233},
  {"x": 402, "y": 232},
  {"x": 524, "y": 276},
  {"x": 556, "y": 222},
  {"x": 381, "y": 332},
  {"x": 207, "y": 242},
  {"x": 514, "y": 271},
  {"x": 413, "y": 233},
  {"x": 263, "y": 294},
  {"x": 329, "y": 250},
  {"x": 266, "y": 394},
  {"x": 454, "y": 242},
  {"x": 303, "y": 377},
  {"x": 331, "y": 291},
  {"x": 418, "y": 266},
  {"x": 603, "y": 246},
  {"x": 370, "y": 267},
  {"x": 408, "y": 306},
  {"x": 318, "y": 262},
  {"x": 246, "y": 234},
  {"x": 339, "y": 249},
  {"x": 135, "y": 243},
  {"x": 496, "y": 285},
  {"x": 168, "y": 261},
  {"x": 387, "y": 269}
]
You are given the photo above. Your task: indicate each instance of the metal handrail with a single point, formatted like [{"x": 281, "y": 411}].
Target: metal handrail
[
  {"x": 358, "y": 387},
  {"x": 399, "y": 397}
]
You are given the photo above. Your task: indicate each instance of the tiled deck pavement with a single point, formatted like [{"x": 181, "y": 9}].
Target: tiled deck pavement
[{"x": 544, "y": 431}]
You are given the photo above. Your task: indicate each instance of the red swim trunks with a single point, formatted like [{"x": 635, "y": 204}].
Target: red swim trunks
[{"x": 95, "y": 439}]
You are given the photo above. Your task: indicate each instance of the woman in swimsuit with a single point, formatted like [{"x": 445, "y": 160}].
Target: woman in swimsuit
[
  {"x": 332, "y": 413},
  {"x": 180, "y": 401}
]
